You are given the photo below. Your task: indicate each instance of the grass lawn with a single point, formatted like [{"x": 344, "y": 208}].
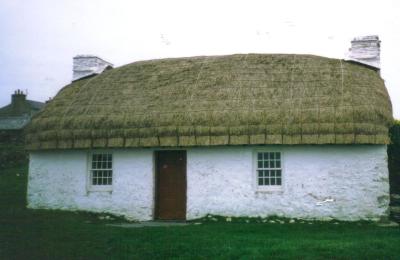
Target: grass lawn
[{"x": 41, "y": 234}]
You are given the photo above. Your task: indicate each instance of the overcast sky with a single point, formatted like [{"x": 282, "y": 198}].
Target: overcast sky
[{"x": 38, "y": 38}]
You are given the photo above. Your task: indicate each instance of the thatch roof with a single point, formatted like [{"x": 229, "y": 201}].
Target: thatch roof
[{"x": 218, "y": 100}]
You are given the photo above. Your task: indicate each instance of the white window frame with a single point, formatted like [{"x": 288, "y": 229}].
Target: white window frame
[
  {"x": 268, "y": 188},
  {"x": 89, "y": 185}
]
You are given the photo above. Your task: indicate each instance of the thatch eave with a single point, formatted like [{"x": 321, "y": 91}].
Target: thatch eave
[{"x": 242, "y": 99}]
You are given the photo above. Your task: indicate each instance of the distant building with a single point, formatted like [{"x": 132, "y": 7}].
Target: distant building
[{"x": 17, "y": 114}]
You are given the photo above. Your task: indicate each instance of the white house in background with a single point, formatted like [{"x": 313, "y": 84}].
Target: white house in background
[{"x": 298, "y": 136}]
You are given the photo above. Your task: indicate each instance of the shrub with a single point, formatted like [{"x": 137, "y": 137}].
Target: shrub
[{"x": 394, "y": 157}]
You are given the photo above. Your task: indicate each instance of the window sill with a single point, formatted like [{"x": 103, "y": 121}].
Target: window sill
[
  {"x": 274, "y": 190},
  {"x": 100, "y": 189}
]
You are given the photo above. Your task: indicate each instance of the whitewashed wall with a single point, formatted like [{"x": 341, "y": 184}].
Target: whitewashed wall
[
  {"x": 57, "y": 180},
  {"x": 342, "y": 182}
]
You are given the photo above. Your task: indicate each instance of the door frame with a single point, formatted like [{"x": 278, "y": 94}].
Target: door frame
[{"x": 155, "y": 181}]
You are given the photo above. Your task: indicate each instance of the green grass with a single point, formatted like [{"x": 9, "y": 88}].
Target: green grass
[{"x": 41, "y": 234}]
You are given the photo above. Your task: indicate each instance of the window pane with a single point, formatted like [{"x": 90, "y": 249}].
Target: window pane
[
  {"x": 266, "y": 181},
  {"x": 273, "y": 173},
  {"x": 260, "y": 181},
  {"x": 278, "y": 181},
  {"x": 272, "y": 164},
  {"x": 260, "y": 174},
  {"x": 272, "y": 181},
  {"x": 109, "y": 158},
  {"x": 267, "y": 173},
  {"x": 278, "y": 164},
  {"x": 109, "y": 165},
  {"x": 109, "y": 181},
  {"x": 266, "y": 156},
  {"x": 259, "y": 156},
  {"x": 278, "y": 156},
  {"x": 260, "y": 164},
  {"x": 266, "y": 164},
  {"x": 278, "y": 173},
  {"x": 94, "y": 181},
  {"x": 272, "y": 155}
]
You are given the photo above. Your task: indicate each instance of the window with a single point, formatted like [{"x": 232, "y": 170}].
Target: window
[
  {"x": 101, "y": 170},
  {"x": 269, "y": 169}
]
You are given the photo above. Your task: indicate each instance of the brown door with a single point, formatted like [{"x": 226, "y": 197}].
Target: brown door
[{"x": 170, "y": 185}]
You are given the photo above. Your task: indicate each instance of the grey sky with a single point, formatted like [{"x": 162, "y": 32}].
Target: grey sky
[{"x": 39, "y": 37}]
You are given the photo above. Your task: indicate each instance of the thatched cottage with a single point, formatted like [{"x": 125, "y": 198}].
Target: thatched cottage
[{"x": 298, "y": 136}]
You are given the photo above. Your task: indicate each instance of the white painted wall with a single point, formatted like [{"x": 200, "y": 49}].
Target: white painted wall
[
  {"x": 58, "y": 180},
  {"x": 343, "y": 182},
  {"x": 221, "y": 181}
]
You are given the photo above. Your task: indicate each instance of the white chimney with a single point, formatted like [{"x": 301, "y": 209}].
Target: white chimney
[
  {"x": 366, "y": 50},
  {"x": 86, "y": 65}
]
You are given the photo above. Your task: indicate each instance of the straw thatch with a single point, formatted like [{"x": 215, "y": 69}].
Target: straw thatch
[{"x": 219, "y": 100}]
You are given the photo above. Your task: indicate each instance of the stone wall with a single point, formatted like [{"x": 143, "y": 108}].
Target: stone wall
[
  {"x": 58, "y": 180},
  {"x": 336, "y": 181},
  {"x": 342, "y": 182}
]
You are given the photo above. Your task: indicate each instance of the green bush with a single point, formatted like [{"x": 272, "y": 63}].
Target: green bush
[
  {"x": 12, "y": 152},
  {"x": 394, "y": 157}
]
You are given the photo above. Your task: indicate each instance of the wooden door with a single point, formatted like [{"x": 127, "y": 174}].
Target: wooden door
[{"x": 170, "y": 185}]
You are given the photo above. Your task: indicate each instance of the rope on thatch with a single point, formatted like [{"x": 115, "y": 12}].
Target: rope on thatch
[{"x": 219, "y": 100}]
